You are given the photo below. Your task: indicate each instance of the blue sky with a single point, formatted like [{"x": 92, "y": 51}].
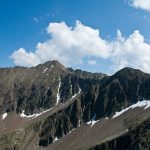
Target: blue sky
[{"x": 23, "y": 24}]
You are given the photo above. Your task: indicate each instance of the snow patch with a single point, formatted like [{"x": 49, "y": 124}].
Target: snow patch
[
  {"x": 23, "y": 115},
  {"x": 73, "y": 96},
  {"x": 45, "y": 70},
  {"x": 147, "y": 105},
  {"x": 79, "y": 91},
  {"x": 51, "y": 67},
  {"x": 76, "y": 94},
  {"x": 4, "y": 116},
  {"x": 89, "y": 122},
  {"x": 79, "y": 123},
  {"x": 144, "y": 103},
  {"x": 56, "y": 139},
  {"x": 92, "y": 122},
  {"x": 58, "y": 93},
  {"x": 71, "y": 131}
]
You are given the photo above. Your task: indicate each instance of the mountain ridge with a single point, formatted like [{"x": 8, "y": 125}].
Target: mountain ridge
[{"x": 67, "y": 99}]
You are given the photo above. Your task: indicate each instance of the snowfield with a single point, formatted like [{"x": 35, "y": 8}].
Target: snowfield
[{"x": 144, "y": 103}]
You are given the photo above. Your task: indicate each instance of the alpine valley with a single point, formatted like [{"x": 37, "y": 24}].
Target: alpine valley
[{"x": 51, "y": 107}]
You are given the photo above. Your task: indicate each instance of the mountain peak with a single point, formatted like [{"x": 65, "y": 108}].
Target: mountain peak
[
  {"x": 130, "y": 72},
  {"x": 52, "y": 64}
]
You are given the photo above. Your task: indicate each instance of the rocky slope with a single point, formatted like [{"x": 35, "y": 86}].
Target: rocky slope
[
  {"x": 137, "y": 138},
  {"x": 49, "y": 101},
  {"x": 35, "y": 89}
]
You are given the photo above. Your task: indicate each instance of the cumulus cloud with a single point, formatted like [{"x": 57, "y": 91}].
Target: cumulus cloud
[
  {"x": 70, "y": 45},
  {"x": 132, "y": 52},
  {"x": 23, "y": 58},
  {"x": 142, "y": 4}
]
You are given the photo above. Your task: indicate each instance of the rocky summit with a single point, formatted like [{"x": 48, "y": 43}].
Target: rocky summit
[{"x": 51, "y": 107}]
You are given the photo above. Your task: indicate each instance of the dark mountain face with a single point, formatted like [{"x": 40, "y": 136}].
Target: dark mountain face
[
  {"x": 121, "y": 90},
  {"x": 76, "y": 96},
  {"x": 102, "y": 99}
]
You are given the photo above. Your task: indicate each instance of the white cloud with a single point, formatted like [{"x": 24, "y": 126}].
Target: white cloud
[
  {"x": 92, "y": 62},
  {"x": 70, "y": 45},
  {"x": 23, "y": 58},
  {"x": 132, "y": 52},
  {"x": 142, "y": 4}
]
